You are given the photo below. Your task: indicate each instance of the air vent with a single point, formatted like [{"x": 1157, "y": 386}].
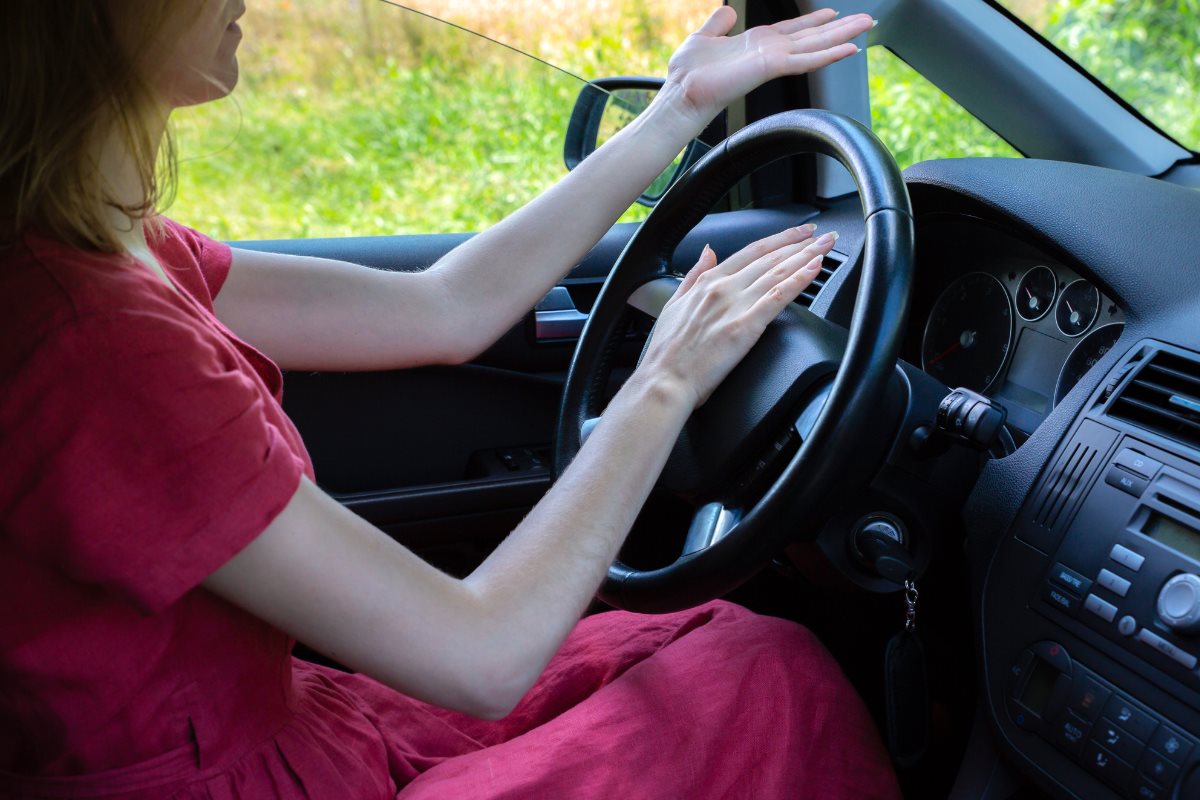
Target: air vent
[
  {"x": 1063, "y": 483},
  {"x": 828, "y": 267},
  {"x": 1164, "y": 397}
]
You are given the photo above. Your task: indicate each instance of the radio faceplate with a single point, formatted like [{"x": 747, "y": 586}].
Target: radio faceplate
[{"x": 1137, "y": 529}]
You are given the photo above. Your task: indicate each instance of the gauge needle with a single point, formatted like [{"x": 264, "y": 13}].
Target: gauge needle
[{"x": 947, "y": 352}]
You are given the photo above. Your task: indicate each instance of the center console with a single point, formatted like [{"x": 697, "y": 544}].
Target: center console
[{"x": 1092, "y": 663}]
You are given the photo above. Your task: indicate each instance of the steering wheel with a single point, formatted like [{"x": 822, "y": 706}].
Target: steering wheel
[{"x": 776, "y": 438}]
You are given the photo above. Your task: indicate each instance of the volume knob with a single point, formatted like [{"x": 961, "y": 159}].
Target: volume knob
[{"x": 1179, "y": 603}]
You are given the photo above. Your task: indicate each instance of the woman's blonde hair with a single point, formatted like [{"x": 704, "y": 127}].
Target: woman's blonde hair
[{"x": 70, "y": 76}]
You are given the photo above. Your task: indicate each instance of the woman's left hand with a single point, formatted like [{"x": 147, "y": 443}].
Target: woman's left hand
[{"x": 711, "y": 69}]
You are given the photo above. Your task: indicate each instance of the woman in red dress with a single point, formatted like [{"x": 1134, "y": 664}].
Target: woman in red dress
[{"x": 162, "y": 541}]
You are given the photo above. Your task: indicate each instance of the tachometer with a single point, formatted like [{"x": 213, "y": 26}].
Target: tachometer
[
  {"x": 1086, "y": 355},
  {"x": 1077, "y": 308},
  {"x": 1035, "y": 294},
  {"x": 969, "y": 333}
]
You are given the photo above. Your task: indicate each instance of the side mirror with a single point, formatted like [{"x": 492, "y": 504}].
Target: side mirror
[{"x": 607, "y": 105}]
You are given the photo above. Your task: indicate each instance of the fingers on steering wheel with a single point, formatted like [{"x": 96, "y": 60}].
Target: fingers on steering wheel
[
  {"x": 707, "y": 260},
  {"x": 777, "y": 293},
  {"x": 763, "y": 248},
  {"x": 780, "y": 272},
  {"x": 774, "y": 263}
]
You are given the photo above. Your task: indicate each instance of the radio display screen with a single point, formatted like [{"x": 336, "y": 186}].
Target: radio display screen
[{"x": 1174, "y": 535}]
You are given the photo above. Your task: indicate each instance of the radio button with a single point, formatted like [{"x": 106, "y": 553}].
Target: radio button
[
  {"x": 1060, "y": 599},
  {"x": 1172, "y": 744},
  {"x": 1126, "y": 481},
  {"x": 1138, "y": 464},
  {"x": 1101, "y": 608},
  {"x": 1167, "y": 649},
  {"x": 1126, "y": 557},
  {"x": 1113, "y": 582},
  {"x": 1070, "y": 579},
  {"x": 1121, "y": 711},
  {"x": 1179, "y": 603},
  {"x": 1158, "y": 767}
]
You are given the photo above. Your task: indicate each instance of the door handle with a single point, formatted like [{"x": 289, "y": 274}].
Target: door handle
[{"x": 555, "y": 317}]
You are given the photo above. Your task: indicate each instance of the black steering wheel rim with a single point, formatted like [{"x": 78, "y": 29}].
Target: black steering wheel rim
[{"x": 867, "y": 366}]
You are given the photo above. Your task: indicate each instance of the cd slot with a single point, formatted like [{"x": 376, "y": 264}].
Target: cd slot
[{"x": 1188, "y": 512}]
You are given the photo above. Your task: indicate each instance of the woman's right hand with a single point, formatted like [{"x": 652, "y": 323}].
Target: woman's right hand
[{"x": 720, "y": 310}]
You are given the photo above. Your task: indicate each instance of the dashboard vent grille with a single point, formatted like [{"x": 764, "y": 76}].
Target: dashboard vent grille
[
  {"x": 1063, "y": 483},
  {"x": 1164, "y": 397},
  {"x": 828, "y": 267}
]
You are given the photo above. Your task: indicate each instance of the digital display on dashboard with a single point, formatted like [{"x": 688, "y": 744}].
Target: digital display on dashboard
[
  {"x": 1033, "y": 374},
  {"x": 1039, "y": 686},
  {"x": 1174, "y": 535}
]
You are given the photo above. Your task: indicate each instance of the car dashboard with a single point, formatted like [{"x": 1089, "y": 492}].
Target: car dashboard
[{"x": 1070, "y": 295}]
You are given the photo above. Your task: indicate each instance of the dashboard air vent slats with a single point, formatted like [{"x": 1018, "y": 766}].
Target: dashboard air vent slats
[
  {"x": 1164, "y": 397},
  {"x": 829, "y": 266}
]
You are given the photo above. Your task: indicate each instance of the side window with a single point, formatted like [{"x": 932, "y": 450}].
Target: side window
[
  {"x": 359, "y": 117},
  {"x": 917, "y": 121}
]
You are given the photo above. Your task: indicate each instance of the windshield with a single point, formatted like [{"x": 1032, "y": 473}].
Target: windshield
[{"x": 1146, "y": 52}]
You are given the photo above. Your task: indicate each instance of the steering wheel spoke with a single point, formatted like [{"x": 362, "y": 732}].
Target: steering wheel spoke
[
  {"x": 585, "y": 430},
  {"x": 652, "y": 296},
  {"x": 711, "y": 523}
]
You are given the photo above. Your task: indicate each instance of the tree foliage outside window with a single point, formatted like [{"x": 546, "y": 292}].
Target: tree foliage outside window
[
  {"x": 1148, "y": 52},
  {"x": 918, "y": 121}
]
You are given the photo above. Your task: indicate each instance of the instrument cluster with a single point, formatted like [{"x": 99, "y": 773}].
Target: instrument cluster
[{"x": 1020, "y": 328}]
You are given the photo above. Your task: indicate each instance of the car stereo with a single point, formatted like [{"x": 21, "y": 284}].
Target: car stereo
[
  {"x": 1125, "y": 566},
  {"x": 1122, "y": 522}
]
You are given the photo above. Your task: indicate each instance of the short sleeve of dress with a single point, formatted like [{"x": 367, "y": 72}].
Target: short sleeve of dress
[
  {"x": 212, "y": 258},
  {"x": 138, "y": 455}
]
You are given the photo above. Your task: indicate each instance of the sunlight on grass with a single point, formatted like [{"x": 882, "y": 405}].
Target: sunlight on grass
[{"x": 358, "y": 118}]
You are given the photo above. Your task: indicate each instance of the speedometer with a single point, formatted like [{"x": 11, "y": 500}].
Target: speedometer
[
  {"x": 1086, "y": 354},
  {"x": 969, "y": 333}
]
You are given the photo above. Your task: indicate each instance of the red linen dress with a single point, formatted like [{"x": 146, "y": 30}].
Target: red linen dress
[{"x": 144, "y": 445}]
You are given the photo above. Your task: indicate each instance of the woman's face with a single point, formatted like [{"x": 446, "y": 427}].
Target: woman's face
[{"x": 192, "y": 58}]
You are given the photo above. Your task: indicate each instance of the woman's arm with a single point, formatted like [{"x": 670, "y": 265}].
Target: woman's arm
[
  {"x": 318, "y": 314},
  {"x": 341, "y": 586}
]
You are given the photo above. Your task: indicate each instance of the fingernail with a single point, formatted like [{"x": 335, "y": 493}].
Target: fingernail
[
  {"x": 707, "y": 251},
  {"x": 827, "y": 238},
  {"x": 807, "y": 228},
  {"x": 874, "y": 23},
  {"x": 815, "y": 264}
]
